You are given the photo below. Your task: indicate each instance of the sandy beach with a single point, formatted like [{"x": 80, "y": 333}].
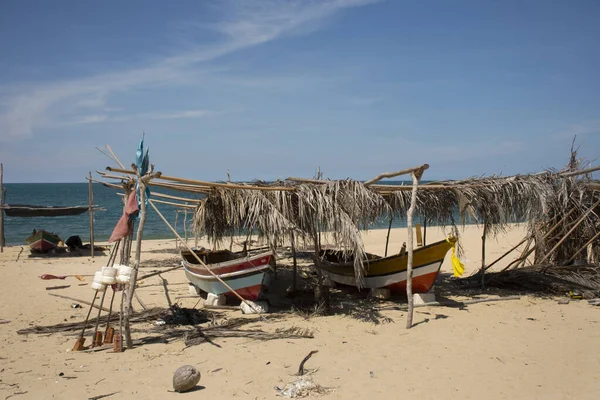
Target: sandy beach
[{"x": 532, "y": 348}]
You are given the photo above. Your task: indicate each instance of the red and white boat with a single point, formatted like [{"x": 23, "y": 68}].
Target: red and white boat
[{"x": 248, "y": 275}]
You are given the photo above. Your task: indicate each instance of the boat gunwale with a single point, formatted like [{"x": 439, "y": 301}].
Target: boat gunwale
[
  {"x": 382, "y": 259},
  {"x": 229, "y": 262},
  {"x": 236, "y": 274}
]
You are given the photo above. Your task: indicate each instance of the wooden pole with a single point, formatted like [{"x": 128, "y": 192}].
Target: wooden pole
[
  {"x": 136, "y": 261},
  {"x": 425, "y": 231},
  {"x": 295, "y": 271},
  {"x": 483, "y": 237},
  {"x": 507, "y": 253},
  {"x": 387, "y": 239},
  {"x": 185, "y": 225},
  {"x": 2, "y": 239},
  {"x": 409, "y": 267},
  {"x": 596, "y": 236},
  {"x": 176, "y": 218},
  {"x": 91, "y": 204},
  {"x": 379, "y": 177}
]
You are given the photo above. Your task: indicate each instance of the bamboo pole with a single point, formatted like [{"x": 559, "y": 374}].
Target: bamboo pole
[
  {"x": 151, "y": 202},
  {"x": 416, "y": 175},
  {"x": 91, "y": 204},
  {"x": 2, "y": 239}
]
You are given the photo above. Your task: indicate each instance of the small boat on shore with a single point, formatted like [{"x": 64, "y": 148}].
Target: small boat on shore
[
  {"x": 42, "y": 241},
  {"x": 389, "y": 272},
  {"x": 27, "y": 210},
  {"x": 248, "y": 275}
]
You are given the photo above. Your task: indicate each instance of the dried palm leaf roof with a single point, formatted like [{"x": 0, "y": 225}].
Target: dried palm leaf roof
[{"x": 343, "y": 207}]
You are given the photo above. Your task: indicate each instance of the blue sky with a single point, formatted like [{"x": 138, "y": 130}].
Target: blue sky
[{"x": 270, "y": 89}]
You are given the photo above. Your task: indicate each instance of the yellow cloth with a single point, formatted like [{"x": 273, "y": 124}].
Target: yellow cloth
[{"x": 457, "y": 267}]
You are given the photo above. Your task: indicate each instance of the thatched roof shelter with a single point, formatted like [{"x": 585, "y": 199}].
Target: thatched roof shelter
[{"x": 344, "y": 207}]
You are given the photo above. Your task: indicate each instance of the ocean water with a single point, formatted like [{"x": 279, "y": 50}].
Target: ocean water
[
  {"x": 76, "y": 194},
  {"x": 16, "y": 229}
]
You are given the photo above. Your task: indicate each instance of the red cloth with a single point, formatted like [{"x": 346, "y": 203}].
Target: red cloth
[{"x": 125, "y": 226}]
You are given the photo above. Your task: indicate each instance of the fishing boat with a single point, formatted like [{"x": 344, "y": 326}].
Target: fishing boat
[
  {"x": 42, "y": 241},
  {"x": 389, "y": 272},
  {"x": 27, "y": 210},
  {"x": 248, "y": 275}
]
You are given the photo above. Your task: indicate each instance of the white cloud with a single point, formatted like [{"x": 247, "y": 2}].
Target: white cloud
[{"x": 251, "y": 23}]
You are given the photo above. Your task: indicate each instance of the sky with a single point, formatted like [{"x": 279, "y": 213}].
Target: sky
[{"x": 271, "y": 89}]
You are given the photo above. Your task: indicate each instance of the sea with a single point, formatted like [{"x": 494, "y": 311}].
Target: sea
[{"x": 16, "y": 229}]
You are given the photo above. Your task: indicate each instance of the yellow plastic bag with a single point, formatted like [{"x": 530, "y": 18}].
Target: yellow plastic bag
[{"x": 457, "y": 267}]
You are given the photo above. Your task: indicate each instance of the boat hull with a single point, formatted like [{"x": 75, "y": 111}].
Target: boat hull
[
  {"x": 248, "y": 276},
  {"x": 28, "y": 211},
  {"x": 42, "y": 241},
  {"x": 390, "y": 272}
]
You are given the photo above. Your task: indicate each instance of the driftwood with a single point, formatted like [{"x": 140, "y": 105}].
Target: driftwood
[
  {"x": 158, "y": 273},
  {"x": 103, "y": 396},
  {"x": 453, "y": 304},
  {"x": 144, "y": 316},
  {"x": 304, "y": 360},
  {"x": 206, "y": 335},
  {"x": 77, "y": 300}
]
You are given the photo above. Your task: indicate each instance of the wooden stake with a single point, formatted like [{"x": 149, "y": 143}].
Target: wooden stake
[
  {"x": 323, "y": 296},
  {"x": 2, "y": 240},
  {"x": 136, "y": 261},
  {"x": 295, "y": 270},
  {"x": 409, "y": 267},
  {"x": 482, "y": 270},
  {"x": 91, "y": 204},
  {"x": 387, "y": 239}
]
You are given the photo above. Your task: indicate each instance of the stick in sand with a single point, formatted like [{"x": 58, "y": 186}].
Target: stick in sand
[{"x": 200, "y": 260}]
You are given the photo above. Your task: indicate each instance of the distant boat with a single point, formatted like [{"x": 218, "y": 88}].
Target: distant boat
[
  {"x": 27, "y": 210},
  {"x": 42, "y": 241},
  {"x": 389, "y": 272},
  {"x": 247, "y": 275}
]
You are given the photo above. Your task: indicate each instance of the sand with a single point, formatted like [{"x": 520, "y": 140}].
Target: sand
[{"x": 525, "y": 349}]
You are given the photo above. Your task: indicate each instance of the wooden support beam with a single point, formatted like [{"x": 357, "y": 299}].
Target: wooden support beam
[
  {"x": 2, "y": 239},
  {"x": 205, "y": 183},
  {"x": 91, "y": 211},
  {"x": 580, "y": 172},
  {"x": 416, "y": 175},
  {"x": 418, "y": 170}
]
